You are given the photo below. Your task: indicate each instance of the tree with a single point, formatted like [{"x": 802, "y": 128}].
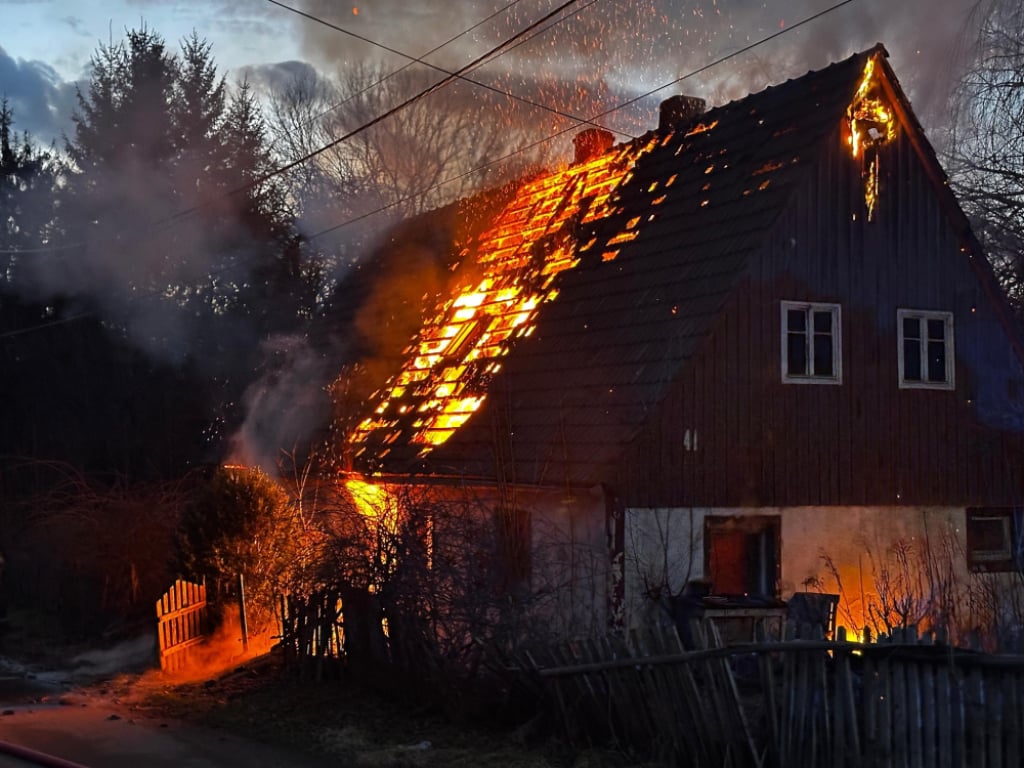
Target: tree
[
  {"x": 986, "y": 150},
  {"x": 429, "y": 153},
  {"x": 189, "y": 248},
  {"x": 27, "y": 177},
  {"x": 240, "y": 522}
]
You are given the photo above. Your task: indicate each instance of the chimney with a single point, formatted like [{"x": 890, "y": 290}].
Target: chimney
[
  {"x": 590, "y": 143},
  {"x": 679, "y": 110}
]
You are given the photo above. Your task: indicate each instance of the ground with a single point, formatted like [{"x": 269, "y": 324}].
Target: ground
[{"x": 252, "y": 709}]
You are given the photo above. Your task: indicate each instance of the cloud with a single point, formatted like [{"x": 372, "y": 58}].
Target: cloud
[
  {"x": 276, "y": 77},
  {"x": 41, "y": 101}
]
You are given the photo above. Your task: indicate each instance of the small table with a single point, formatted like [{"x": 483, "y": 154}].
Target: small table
[{"x": 745, "y": 623}]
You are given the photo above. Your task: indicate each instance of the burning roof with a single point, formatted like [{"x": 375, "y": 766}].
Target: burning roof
[{"x": 603, "y": 278}]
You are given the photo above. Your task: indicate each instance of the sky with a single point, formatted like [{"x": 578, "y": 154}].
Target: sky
[
  {"x": 607, "y": 51},
  {"x": 604, "y": 53}
]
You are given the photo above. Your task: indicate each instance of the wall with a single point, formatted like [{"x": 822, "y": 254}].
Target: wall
[
  {"x": 731, "y": 433},
  {"x": 870, "y": 556}
]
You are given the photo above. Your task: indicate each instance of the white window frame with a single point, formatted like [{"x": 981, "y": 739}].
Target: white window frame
[
  {"x": 922, "y": 316},
  {"x": 837, "y": 342}
]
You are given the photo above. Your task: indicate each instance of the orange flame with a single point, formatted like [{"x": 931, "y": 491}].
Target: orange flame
[
  {"x": 871, "y": 123},
  {"x": 444, "y": 378}
]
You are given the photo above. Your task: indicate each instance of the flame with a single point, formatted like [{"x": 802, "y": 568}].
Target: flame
[
  {"x": 444, "y": 378},
  {"x": 871, "y": 124},
  {"x": 372, "y": 501}
]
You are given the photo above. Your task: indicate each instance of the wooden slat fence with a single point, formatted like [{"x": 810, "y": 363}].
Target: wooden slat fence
[
  {"x": 312, "y": 634},
  {"x": 181, "y": 623},
  {"x": 787, "y": 704}
]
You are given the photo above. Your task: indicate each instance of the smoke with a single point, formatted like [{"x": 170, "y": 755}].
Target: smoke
[
  {"x": 128, "y": 656},
  {"x": 626, "y": 50},
  {"x": 588, "y": 63},
  {"x": 287, "y": 405},
  {"x": 165, "y": 288}
]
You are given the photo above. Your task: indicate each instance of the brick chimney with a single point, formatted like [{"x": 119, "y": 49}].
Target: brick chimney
[
  {"x": 679, "y": 110},
  {"x": 590, "y": 143}
]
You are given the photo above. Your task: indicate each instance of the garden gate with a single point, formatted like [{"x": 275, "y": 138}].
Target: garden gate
[{"x": 181, "y": 623}]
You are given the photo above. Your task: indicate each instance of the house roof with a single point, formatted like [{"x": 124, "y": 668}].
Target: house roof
[{"x": 628, "y": 259}]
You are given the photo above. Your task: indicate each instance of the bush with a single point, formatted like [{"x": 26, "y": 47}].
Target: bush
[{"x": 240, "y": 522}]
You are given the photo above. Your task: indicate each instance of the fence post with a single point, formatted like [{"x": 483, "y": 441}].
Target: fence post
[{"x": 241, "y": 613}]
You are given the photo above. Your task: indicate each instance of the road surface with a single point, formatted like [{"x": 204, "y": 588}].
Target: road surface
[{"x": 42, "y": 715}]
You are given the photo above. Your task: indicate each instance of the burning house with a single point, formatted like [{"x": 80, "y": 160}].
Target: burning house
[{"x": 752, "y": 350}]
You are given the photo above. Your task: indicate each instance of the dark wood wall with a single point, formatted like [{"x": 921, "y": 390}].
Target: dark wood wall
[{"x": 760, "y": 442}]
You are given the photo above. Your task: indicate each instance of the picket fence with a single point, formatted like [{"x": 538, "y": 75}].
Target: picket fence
[{"x": 181, "y": 623}]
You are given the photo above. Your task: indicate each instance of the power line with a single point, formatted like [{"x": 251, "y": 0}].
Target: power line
[
  {"x": 556, "y": 134},
  {"x": 179, "y": 215},
  {"x": 716, "y": 62},
  {"x": 422, "y": 60},
  {"x": 405, "y": 66},
  {"x": 497, "y": 50},
  {"x": 264, "y": 177}
]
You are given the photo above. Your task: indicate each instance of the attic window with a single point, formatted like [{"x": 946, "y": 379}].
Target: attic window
[
  {"x": 925, "y": 350},
  {"x": 811, "y": 343}
]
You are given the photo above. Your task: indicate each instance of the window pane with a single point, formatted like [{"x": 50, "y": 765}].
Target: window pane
[
  {"x": 796, "y": 320},
  {"x": 936, "y": 328},
  {"x": 911, "y": 360},
  {"x": 823, "y": 322},
  {"x": 822, "y": 355},
  {"x": 911, "y": 328},
  {"x": 936, "y": 360},
  {"x": 988, "y": 537},
  {"x": 796, "y": 354}
]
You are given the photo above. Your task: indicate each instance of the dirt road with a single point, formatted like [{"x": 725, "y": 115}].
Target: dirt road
[{"x": 93, "y": 731}]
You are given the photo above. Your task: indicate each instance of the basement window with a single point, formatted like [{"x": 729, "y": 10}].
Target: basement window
[
  {"x": 811, "y": 348},
  {"x": 925, "y": 349},
  {"x": 994, "y": 538}
]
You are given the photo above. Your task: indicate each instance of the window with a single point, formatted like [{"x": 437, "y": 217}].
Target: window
[
  {"x": 925, "y": 349},
  {"x": 811, "y": 351},
  {"x": 741, "y": 554},
  {"x": 993, "y": 538}
]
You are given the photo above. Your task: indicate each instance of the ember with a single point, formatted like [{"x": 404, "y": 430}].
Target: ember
[{"x": 457, "y": 351}]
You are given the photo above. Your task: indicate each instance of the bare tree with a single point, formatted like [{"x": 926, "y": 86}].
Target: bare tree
[
  {"x": 986, "y": 151},
  {"x": 433, "y": 151}
]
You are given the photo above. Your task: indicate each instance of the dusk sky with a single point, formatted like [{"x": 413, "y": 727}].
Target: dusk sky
[{"x": 613, "y": 46}]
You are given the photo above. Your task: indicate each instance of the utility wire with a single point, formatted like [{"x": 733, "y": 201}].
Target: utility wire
[
  {"x": 402, "y": 68},
  {"x": 725, "y": 58},
  {"x": 267, "y": 176},
  {"x": 556, "y": 134},
  {"x": 476, "y": 62},
  {"x": 180, "y": 215},
  {"x": 422, "y": 60}
]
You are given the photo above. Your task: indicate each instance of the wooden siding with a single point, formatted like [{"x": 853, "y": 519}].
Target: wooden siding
[{"x": 764, "y": 443}]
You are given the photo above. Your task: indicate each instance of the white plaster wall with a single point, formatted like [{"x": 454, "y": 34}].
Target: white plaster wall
[
  {"x": 851, "y": 551},
  {"x": 569, "y": 566}
]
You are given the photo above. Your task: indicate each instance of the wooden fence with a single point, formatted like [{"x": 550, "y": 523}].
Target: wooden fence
[
  {"x": 312, "y": 634},
  {"x": 788, "y": 704},
  {"x": 181, "y": 623}
]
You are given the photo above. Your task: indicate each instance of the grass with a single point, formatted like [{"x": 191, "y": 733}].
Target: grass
[{"x": 356, "y": 724}]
